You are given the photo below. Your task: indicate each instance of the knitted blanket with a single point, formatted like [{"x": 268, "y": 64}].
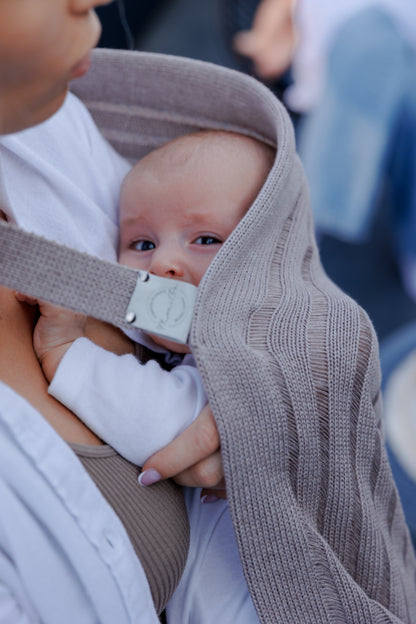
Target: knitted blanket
[{"x": 289, "y": 362}]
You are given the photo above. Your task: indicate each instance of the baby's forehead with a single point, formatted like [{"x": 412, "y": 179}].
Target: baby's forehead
[
  {"x": 199, "y": 157},
  {"x": 201, "y": 147}
]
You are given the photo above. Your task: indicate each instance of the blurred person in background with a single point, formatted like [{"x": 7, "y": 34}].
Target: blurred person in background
[{"x": 353, "y": 84}]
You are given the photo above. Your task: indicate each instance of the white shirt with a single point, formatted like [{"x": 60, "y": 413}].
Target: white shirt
[
  {"x": 67, "y": 170},
  {"x": 64, "y": 554}
]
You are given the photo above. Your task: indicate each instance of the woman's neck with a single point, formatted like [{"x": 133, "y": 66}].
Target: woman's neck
[{"x": 20, "y": 369}]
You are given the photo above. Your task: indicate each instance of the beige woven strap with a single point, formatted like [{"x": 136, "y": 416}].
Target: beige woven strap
[{"x": 109, "y": 292}]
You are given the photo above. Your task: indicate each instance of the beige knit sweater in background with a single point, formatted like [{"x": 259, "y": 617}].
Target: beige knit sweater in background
[{"x": 289, "y": 362}]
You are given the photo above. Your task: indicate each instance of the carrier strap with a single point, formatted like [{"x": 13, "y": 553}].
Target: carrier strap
[{"x": 106, "y": 291}]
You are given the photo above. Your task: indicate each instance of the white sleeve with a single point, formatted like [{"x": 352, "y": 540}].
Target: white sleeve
[
  {"x": 212, "y": 588},
  {"x": 136, "y": 408}
]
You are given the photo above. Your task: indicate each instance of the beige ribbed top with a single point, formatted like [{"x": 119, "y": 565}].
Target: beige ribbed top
[{"x": 155, "y": 518}]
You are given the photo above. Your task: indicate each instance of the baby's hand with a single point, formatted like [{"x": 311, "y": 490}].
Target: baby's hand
[{"x": 55, "y": 331}]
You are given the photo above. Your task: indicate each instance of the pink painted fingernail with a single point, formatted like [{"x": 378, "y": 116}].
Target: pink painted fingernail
[
  {"x": 209, "y": 498},
  {"x": 148, "y": 477}
]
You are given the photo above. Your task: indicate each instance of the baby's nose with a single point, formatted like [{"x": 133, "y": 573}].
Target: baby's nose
[{"x": 167, "y": 264}]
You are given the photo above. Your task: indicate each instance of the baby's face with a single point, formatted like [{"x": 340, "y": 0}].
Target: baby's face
[
  {"x": 174, "y": 228},
  {"x": 173, "y": 220}
]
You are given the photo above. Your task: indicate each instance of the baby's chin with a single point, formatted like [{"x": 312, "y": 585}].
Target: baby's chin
[{"x": 170, "y": 345}]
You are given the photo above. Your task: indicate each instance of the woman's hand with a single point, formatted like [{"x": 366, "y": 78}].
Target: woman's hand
[
  {"x": 192, "y": 459},
  {"x": 272, "y": 39}
]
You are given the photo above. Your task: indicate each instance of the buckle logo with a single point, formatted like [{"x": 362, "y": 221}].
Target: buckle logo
[{"x": 167, "y": 307}]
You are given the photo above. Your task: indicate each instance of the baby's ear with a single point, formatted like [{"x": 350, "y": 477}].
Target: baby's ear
[{"x": 3, "y": 215}]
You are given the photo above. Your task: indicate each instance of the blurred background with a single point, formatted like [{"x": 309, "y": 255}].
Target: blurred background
[{"x": 346, "y": 71}]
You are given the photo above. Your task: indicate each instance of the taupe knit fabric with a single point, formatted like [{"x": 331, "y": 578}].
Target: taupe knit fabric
[
  {"x": 289, "y": 362},
  {"x": 155, "y": 518}
]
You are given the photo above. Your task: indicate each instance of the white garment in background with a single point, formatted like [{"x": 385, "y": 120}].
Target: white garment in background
[
  {"x": 61, "y": 180},
  {"x": 317, "y": 23},
  {"x": 400, "y": 412}
]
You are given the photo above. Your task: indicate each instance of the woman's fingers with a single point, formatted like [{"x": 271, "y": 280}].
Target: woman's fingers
[
  {"x": 207, "y": 473},
  {"x": 193, "y": 458}
]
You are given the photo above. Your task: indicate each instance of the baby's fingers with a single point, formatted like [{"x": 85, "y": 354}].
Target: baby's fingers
[{"x": 26, "y": 299}]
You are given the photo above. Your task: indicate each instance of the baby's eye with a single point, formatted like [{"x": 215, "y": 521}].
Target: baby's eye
[
  {"x": 207, "y": 240},
  {"x": 142, "y": 245}
]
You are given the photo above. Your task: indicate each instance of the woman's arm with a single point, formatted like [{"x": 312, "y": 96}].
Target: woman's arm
[
  {"x": 22, "y": 372},
  {"x": 271, "y": 41}
]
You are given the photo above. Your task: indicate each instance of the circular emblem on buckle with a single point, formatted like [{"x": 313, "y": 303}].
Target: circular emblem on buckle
[{"x": 167, "y": 307}]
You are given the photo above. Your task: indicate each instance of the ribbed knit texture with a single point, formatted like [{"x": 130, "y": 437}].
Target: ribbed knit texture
[
  {"x": 289, "y": 362},
  {"x": 155, "y": 518}
]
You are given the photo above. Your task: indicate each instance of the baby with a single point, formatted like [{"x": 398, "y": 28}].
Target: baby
[{"x": 177, "y": 207}]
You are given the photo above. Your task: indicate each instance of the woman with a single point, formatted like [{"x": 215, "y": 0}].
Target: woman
[
  {"x": 43, "y": 45},
  {"x": 290, "y": 364}
]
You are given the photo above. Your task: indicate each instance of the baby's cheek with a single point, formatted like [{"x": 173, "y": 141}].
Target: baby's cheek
[
  {"x": 200, "y": 266},
  {"x": 131, "y": 259}
]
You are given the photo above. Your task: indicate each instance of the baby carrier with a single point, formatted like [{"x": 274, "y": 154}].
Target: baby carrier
[{"x": 289, "y": 362}]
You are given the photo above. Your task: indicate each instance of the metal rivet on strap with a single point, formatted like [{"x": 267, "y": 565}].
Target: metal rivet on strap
[{"x": 130, "y": 317}]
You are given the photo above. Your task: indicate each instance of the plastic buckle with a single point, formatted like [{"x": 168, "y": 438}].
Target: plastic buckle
[{"x": 162, "y": 306}]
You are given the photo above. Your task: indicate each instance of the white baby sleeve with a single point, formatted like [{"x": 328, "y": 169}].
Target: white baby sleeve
[{"x": 136, "y": 408}]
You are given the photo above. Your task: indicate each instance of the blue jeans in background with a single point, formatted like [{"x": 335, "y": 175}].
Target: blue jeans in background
[{"x": 358, "y": 145}]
